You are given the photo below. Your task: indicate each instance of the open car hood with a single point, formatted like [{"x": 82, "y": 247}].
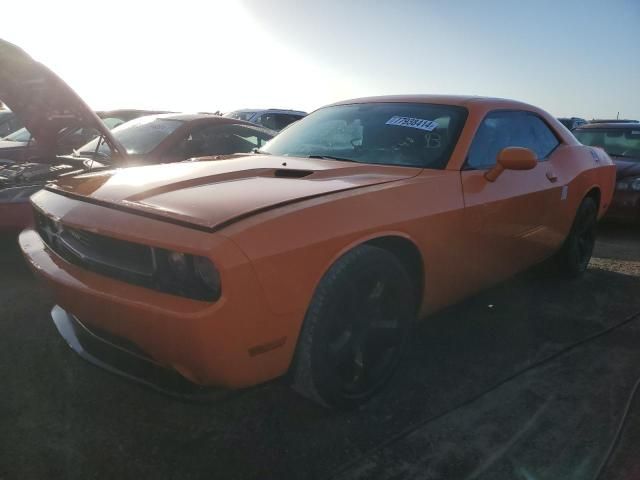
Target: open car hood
[
  {"x": 44, "y": 102},
  {"x": 209, "y": 195}
]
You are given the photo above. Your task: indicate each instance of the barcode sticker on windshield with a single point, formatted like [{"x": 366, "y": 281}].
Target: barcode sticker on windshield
[{"x": 419, "y": 123}]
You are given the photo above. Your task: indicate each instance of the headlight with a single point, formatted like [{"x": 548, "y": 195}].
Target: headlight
[
  {"x": 626, "y": 184},
  {"x": 178, "y": 265},
  {"x": 207, "y": 273},
  {"x": 188, "y": 275},
  {"x": 18, "y": 194}
]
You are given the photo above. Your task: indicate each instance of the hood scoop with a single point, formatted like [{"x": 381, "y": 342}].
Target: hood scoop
[{"x": 291, "y": 173}]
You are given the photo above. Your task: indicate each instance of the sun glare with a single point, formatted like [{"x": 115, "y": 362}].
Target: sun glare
[{"x": 204, "y": 56}]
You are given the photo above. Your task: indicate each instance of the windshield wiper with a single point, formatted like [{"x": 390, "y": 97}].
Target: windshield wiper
[{"x": 329, "y": 157}]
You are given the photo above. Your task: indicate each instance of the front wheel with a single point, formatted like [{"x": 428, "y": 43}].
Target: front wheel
[
  {"x": 355, "y": 330},
  {"x": 574, "y": 257}
]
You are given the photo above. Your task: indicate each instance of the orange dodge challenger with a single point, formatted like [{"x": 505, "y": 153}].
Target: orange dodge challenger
[{"x": 313, "y": 256}]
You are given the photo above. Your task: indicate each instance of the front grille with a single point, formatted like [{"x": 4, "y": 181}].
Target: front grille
[
  {"x": 120, "y": 259},
  {"x": 127, "y": 261}
]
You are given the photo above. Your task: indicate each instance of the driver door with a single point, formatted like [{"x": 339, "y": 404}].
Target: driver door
[{"x": 509, "y": 221}]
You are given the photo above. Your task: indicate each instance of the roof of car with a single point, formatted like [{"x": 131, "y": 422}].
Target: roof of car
[
  {"x": 460, "y": 100},
  {"x": 613, "y": 120},
  {"x": 133, "y": 112},
  {"x": 263, "y": 110},
  {"x": 192, "y": 117},
  {"x": 613, "y": 125}
]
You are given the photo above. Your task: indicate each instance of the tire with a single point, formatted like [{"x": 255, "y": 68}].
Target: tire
[
  {"x": 574, "y": 256},
  {"x": 355, "y": 330}
]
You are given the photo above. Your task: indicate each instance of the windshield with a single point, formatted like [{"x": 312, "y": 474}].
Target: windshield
[
  {"x": 21, "y": 135},
  {"x": 409, "y": 134},
  {"x": 246, "y": 116},
  {"x": 138, "y": 137},
  {"x": 615, "y": 141}
]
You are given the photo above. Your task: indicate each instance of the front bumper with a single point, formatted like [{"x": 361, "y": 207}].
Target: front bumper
[
  {"x": 116, "y": 357},
  {"x": 625, "y": 207},
  {"x": 230, "y": 344}
]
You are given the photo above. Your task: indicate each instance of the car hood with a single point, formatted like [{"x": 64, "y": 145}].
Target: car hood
[
  {"x": 210, "y": 194},
  {"x": 43, "y": 102},
  {"x": 626, "y": 168}
]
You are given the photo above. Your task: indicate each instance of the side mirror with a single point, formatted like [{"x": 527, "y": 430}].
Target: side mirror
[{"x": 512, "y": 158}]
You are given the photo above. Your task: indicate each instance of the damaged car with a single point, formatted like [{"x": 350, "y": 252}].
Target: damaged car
[
  {"x": 50, "y": 109},
  {"x": 20, "y": 146},
  {"x": 313, "y": 259}
]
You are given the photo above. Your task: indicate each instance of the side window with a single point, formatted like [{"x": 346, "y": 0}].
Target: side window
[
  {"x": 283, "y": 120},
  {"x": 268, "y": 120},
  {"x": 221, "y": 140},
  {"x": 539, "y": 136},
  {"x": 242, "y": 139},
  {"x": 490, "y": 138},
  {"x": 75, "y": 137},
  {"x": 509, "y": 129}
]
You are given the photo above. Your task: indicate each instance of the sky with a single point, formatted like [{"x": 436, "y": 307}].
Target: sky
[{"x": 572, "y": 58}]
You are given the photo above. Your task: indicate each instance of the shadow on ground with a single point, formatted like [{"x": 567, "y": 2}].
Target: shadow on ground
[{"x": 62, "y": 418}]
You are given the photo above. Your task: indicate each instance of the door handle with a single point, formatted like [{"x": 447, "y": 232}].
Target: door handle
[{"x": 552, "y": 177}]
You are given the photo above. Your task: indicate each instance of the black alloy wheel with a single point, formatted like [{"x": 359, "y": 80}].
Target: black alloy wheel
[{"x": 356, "y": 328}]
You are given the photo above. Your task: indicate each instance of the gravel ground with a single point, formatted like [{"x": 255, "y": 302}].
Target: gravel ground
[{"x": 448, "y": 414}]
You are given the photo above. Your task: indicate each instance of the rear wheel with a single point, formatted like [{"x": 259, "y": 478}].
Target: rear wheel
[
  {"x": 355, "y": 330},
  {"x": 576, "y": 252}
]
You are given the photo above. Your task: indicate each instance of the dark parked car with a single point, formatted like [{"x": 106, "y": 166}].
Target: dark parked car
[
  {"x": 19, "y": 146},
  {"x": 572, "y": 122},
  {"x": 622, "y": 142},
  {"x": 49, "y": 108},
  {"x": 172, "y": 137},
  {"x": 9, "y": 123},
  {"x": 612, "y": 120}
]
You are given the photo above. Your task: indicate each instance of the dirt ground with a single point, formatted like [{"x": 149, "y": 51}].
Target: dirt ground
[{"x": 488, "y": 391}]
